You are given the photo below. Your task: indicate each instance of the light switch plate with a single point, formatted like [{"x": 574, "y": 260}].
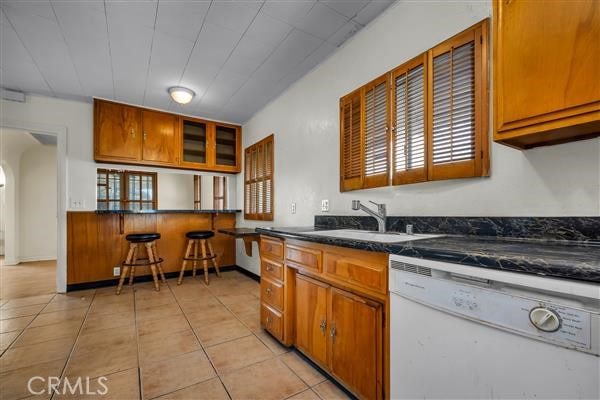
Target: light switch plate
[
  {"x": 325, "y": 205},
  {"x": 293, "y": 207}
]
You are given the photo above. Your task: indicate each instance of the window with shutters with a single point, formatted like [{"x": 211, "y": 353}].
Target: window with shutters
[
  {"x": 458, "y": 126},
  {"x": 258, "y": 180},
  {"x": 437, "y": 107},
  {"x": 409, "y": 125}
]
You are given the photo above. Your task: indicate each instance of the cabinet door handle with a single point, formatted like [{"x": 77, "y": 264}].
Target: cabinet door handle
[
  {"x": 132, "y": 133},
  {"x": 268, "y": 320},
  {"x": 145, "y": 136},
  {"x": 323, "y": 326},
  {"x": 270, "y": 268},
  {"x": 333, "y": 332}
]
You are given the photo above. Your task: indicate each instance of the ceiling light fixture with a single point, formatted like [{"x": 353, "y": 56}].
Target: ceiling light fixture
[{"x": 181, "y": 95}]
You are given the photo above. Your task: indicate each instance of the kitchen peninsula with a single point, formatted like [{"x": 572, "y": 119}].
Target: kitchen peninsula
[{"x": 96, "y": 243}]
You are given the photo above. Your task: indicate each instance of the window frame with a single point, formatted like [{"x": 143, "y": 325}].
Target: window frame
[
  {"x": 219, "y": 186},
  {"x": 124, "y": 200},
  {"x": 479, "y": 165},
  {"x": 251, "y": 176}
]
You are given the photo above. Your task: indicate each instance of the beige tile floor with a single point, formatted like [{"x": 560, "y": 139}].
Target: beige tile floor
[
  {"x": 184, "y": 342},
  {"x": 27, "y": 279}
]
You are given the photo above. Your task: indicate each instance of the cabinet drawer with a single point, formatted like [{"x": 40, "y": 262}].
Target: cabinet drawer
[
  {"x": 305, "y": 257},
  {"x": 272, "y": 321},
  {"x": 271, "y": 248},
  {"x": 368, "y": 273},
  {"x": 271, "y": 293},
  {"x": 272, "y": 270}
]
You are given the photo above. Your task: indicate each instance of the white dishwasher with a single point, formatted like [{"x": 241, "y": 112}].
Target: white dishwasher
[{"x": 460, "y": 332}]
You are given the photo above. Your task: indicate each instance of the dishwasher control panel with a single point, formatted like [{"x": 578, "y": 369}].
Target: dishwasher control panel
[{"x": 558, "y": 324}]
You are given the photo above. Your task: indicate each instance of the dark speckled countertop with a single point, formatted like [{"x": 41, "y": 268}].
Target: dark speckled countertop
[{"x": 562, "y": 259}]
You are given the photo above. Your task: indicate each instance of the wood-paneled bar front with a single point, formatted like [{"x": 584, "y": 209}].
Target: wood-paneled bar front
[{"x": 96, "y": 241}]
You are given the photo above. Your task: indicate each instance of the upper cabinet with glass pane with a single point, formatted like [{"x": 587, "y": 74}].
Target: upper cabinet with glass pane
[{"x": 126, "y": 134}]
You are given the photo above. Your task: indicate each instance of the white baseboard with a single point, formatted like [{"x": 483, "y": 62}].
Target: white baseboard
[{"x": 29, "y": 259}]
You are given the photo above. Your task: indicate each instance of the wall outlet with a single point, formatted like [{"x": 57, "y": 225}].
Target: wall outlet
[
  {"x": 77, "y": 204},
  {"x": 293, "y": 207},
  {"x": 324, "y": 205},
  {"x": 117, "y": 271}
]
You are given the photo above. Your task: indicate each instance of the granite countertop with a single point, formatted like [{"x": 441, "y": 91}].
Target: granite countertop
[
  {"x": 561, "y": 259},
  {"x": 167, "y": 211}
]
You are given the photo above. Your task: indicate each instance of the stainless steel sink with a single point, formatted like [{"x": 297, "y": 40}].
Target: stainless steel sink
[{"x": 370, "y": 236}]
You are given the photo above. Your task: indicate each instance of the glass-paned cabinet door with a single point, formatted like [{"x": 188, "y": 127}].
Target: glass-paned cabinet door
[
  {"x": 194, "y": 142},
  {"x": 226, "y": 138}
]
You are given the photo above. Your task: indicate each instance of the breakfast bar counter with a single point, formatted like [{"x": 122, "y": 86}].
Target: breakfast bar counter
[{"x": 96, "y": 243}]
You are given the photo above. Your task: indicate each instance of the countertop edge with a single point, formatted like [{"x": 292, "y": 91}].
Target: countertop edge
[
  {"x": 232, "y": 211},
  {"x": 535, "y": 266}
]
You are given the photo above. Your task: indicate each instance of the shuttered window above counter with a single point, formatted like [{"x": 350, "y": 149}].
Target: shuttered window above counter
[{"x": 425, "y": 120}]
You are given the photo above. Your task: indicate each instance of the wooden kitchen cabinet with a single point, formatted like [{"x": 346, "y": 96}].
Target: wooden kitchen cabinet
[
  {"x": 135, "y": 135},
  {"x": 210, "y": 146},
  {"x": 546, "y": 82},
  {"x": 117, "y": 132},
  {"x": 160, "y": 138},
  {"x": 356, "y": 343},
  {"x": 342, "y": 332},
  {"x": 330, "y": 303},
  {"x": 311, "y": 318}
]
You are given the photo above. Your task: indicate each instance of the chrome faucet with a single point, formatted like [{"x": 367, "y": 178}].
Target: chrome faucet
[{"x": 380, "y": 215}]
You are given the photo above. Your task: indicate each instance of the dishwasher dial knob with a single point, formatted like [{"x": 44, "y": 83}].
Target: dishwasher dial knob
[{"x": 544, "y": 319}]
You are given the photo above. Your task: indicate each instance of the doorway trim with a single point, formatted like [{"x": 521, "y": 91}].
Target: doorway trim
[{"x": 62, "y": 189}]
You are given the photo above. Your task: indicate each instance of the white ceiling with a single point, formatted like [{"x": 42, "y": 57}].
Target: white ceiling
[{"x": 236, "y": 55}]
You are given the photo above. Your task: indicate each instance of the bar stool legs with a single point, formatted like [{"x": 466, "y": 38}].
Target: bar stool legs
[
  {"x": 192, "y": 254},
  {"x": 132, "y": 261}
]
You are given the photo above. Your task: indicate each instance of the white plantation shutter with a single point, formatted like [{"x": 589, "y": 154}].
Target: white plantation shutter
[
  {"x": 457, "y": 103},
  {"x": 409, "y": 122},
  {"x": 376, "y": 133}
]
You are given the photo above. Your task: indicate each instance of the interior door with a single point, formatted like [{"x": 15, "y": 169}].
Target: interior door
[
  {"x": 355, "y": 342},
  {"x": 311, "y": 318},
  {"x": 117, "y": 131},
  {"x": 160, "y": 139}
]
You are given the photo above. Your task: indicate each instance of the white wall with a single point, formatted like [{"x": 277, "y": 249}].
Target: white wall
[
  {"x": 37, "y": 204},
  {"x": 552, "y": 181},
  {"x": 175, "y": 191}
]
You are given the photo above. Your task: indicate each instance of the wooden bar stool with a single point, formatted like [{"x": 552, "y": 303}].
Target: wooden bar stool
[
  {"x": 201, "y": 238},
  {"x": 132, "y": 261}
]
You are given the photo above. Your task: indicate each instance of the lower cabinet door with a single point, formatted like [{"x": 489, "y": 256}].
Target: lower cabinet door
[
  {"x": 311, "y": 318},
  {"x": 356, "y": 343}
]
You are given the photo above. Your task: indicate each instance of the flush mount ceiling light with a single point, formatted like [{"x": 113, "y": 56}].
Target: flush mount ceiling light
[{"x": 181, "y": 95}]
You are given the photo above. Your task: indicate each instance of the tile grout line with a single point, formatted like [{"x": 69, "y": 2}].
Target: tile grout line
[
  {"x": 201, "y": 346},
  {"x": 64, "y": 369},
  {"x": 26, "y": 326},
  {"x": 137, "y": 342}
]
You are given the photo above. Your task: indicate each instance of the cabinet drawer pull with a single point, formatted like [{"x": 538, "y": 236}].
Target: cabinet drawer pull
[
  {"x": 270, "y": 268},
  {"x": 268, "y": 320},
  {"x": 323, "y": 326},
  {"x": 269, "y": 290}
]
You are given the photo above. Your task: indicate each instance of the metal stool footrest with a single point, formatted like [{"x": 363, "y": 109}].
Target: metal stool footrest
[{"x": 145, "y": 262}]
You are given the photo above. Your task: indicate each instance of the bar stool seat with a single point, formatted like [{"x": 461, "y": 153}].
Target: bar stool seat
[
  {"x": 137, "y": 240},
  {"x": 202, "y": 239},
  {"x": 142, "y": 237},
  {"x": 200, "y": 234}
]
